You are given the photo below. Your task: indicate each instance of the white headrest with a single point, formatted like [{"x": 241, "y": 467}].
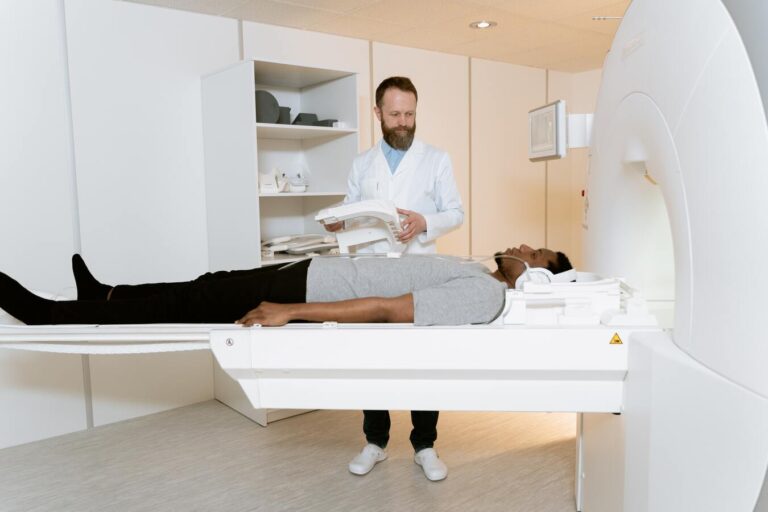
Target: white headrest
[{"x": 565, "y": 277}]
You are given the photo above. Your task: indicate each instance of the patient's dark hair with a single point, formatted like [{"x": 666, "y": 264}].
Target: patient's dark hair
[
  {"x": 398, "y": 82},
  {"x": 561, "y": 263}
]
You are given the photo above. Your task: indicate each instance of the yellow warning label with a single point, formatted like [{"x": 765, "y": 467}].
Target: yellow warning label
[{"x": 616, "y": 340}]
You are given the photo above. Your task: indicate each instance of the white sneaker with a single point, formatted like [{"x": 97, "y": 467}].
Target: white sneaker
[
  {"x": 434, "y": 468},
  {"x": 364, "y": 461}
]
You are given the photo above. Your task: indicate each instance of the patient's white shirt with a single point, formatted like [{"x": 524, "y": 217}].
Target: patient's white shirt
[{"x": 446, "y": 290}]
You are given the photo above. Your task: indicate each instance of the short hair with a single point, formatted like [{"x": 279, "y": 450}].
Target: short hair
[
  {"x": 561, "y": 263},
  {"x": 398, "y": 82}
]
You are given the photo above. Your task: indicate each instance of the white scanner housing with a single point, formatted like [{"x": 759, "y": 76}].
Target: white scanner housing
[{"x": 677, "y": 203}]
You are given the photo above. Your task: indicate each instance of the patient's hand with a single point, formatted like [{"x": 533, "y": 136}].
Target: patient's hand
[{"x": 267, "y": 314}]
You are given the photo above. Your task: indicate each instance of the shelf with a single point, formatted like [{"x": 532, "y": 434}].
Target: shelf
[
  {"x": 298, "y": 132},
  {"x": 302, "y": 194},
  {"x": 298, "y": 77},
  {"x": 237, "y": 147}
]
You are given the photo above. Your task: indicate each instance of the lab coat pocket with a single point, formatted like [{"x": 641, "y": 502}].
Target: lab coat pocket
[{"x": 370, "y": 188}]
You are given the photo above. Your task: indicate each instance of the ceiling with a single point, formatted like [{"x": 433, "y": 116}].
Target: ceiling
[{"x": 553, "y": 34}]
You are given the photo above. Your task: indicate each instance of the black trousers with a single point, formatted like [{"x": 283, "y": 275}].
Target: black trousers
[
  {"x": 423, "y": 435},
  {"x": 219, "y": 297}
]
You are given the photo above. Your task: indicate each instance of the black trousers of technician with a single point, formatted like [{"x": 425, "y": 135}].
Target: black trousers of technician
[
  {"x": 376, "y": 427},
  {"x": 220, "y": 297}
]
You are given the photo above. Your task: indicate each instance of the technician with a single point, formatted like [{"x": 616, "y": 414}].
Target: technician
[{"x": 418, "y": 178}]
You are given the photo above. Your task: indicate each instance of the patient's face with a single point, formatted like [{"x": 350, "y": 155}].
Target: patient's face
[{"x": 534, "y": 257}]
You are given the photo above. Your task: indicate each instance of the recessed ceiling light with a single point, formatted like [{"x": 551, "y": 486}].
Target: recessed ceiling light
[{"x": 483, "y": 24}]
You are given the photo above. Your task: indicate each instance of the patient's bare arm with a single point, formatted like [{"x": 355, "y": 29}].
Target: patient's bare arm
[{"x": 371, "y": 309}]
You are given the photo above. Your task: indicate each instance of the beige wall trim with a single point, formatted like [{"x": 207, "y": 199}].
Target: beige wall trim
[
  {"x": 85, "y": 359},
  {"x": 87, "y": 390},
  {"x": 468, "y": 206},
  {"x": 373, "y": 90},
  {"x": 546, "y": 169}
]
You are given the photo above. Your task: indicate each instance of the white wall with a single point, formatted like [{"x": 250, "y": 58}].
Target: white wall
[
  {"x": 507, "y": 189},
  {"x": 567, "y": 178},
  {"x": 129, "y": 386},
  {"x": 37, "y": 224},
  {"x": 40, "y": 395},
  {"x": 442, "y": 118},
  {"x": 135, "y": 79},
  {"x": 135, "y": 100}
]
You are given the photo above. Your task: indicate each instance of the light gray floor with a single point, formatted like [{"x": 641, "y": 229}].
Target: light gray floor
[{"x": 207, "y": 457}]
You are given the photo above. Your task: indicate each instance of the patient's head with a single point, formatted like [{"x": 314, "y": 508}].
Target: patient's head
[{"x": 510, "y": 269}]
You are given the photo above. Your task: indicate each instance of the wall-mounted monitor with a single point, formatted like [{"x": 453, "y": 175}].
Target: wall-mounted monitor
[{"x": 546, "y": 132}]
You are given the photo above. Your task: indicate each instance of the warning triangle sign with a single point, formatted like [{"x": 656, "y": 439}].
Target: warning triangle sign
[{"x": 616, "y": 340}]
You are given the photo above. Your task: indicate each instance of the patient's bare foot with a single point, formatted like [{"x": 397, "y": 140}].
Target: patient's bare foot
[
  {"x": 88, "y": 287},
  {"x": 23, "y": 304}
]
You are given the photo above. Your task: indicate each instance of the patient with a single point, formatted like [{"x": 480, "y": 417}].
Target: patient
[{"x": 423, "y": 289}]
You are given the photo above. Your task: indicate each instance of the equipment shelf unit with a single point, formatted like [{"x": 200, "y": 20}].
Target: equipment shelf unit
[{"x": 238, "y": 148}]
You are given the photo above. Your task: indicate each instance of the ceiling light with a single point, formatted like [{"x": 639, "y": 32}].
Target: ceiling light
[{"x": 483, "y": 24}]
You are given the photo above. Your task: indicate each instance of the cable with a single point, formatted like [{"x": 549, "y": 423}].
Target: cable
[{"x": 510, "y": 257}]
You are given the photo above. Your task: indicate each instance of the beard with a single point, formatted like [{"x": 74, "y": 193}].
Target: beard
[{"x": 399, "y": 138}]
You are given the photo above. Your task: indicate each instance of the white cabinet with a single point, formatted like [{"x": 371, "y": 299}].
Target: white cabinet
[{"x": 238, "y": 148}]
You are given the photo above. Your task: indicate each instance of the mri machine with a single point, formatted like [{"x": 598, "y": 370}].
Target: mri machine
[{"x": 676, "y": 204}]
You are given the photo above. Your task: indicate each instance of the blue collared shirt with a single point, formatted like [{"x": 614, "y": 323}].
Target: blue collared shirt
[{"x": 393, "y": 156}]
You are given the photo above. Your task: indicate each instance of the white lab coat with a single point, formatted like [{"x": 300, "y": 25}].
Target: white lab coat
[{"x": 423, "y": 182}]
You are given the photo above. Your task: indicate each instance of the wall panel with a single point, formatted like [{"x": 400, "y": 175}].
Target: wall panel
[
  {"x": 37, "y": 206},
  {"x": 135, "y": 74},
  {"x": 508, "y": 191},
  {"x": 136, "y": 100},
  {"x": 129, "y": 386},
  {"x": 442, "y": 118},
  {"x": 41, "y": 395},
  {"x": 567, "y": 178}
]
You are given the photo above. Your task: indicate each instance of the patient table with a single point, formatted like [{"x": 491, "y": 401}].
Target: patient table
[{"x": 556, "y": 347}]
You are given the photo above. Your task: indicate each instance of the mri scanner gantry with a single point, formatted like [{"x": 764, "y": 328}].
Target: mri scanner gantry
[{"x": 682, "y": 104}]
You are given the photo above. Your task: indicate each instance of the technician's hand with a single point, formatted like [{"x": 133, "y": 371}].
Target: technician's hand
[
  {"x": 267, "y": 314},
  {"x": 334, "y": 226},
  {"x": 413, "y": 224}
]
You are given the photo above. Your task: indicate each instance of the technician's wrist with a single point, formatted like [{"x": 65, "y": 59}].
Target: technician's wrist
[{"x": 424, "y": 235}]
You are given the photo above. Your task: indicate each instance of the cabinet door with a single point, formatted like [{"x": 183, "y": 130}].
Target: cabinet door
[{"x": 231, "y": 170}]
